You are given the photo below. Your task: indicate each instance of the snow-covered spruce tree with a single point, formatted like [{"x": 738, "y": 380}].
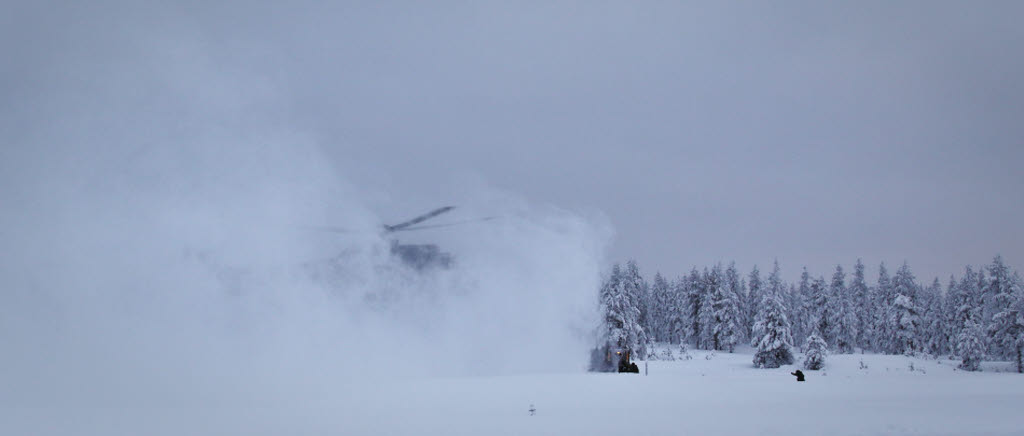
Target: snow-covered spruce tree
[
  {"x": 814, "y": 352},
  {"x": 905, "y": 283},
  {"x": 694, "y": 300},
  {"x": 725, "y": 304},
  {"x": 1007, "y": 327},
  {"x": 794, "y": 303},
  {"x": 971, "y": 346},
  {"x": 1000, "y": 293},
  {"x": 993, "y": 282},
  {"x": 882, "y": 302},
  {"x": 803, "y": 309},
  {"x": 621, "y": 326},
  {"x": 616, "y": 309},
  {"x": 983, "y": 301},
  {"x": 713, "y": 284},
  {"x": 754, "y": 295},
  {"x": 968, "y": 301},
  {"x": 772, "y": 336},
  {"x": 635, "y": 289},
  {"x": 746, "y": 320},
  {"x": 904, "y": 326},
  {"x": 844, "y": 324},
  {"x": 862, "y": 309},
  {"x": 871, "y": 329},
  {"x": 678, "y": 324},
  {"x": 821, "y": 310},
  {"x": 661, "y": 298},
  {"x": 905, "y": 316},
  {"x": 737, "y": 287},
  {"x": 707, "y": 312},
  {"x": 950, "y": 303},
  {"x": 933, "y": 323}
]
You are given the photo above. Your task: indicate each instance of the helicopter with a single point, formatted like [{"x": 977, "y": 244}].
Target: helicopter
[{"x": 420, "y": 257}]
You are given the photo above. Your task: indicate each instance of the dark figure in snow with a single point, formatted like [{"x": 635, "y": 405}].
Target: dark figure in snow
[
  {"x": 627, "y": 366},
  {"x": 799, "y": 375},
  {"x": 610, "y": 359}
]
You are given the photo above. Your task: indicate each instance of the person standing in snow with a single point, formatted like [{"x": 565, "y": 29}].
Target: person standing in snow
[{"x": 799, "y": 375}]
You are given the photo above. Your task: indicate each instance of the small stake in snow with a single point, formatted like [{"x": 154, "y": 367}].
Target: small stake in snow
[{"x": 533, "y": 410}]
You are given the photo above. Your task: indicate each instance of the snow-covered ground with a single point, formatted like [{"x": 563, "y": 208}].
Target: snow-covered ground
[{"x": 713, "y": 393}]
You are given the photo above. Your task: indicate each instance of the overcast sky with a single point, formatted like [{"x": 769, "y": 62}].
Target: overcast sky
[{"x": 815, "y": 133}]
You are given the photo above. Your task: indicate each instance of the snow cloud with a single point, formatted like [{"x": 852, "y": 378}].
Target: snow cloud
[{"x": 160, "y": 242}]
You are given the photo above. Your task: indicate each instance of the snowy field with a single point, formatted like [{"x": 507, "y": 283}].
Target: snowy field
[{"x": 711, "y": 394}]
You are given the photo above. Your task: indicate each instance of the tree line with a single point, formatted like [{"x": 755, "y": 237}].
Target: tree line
[{"x": 974, "y": 317}]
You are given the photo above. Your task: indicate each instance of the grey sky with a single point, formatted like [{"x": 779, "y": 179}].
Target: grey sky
[{"x": 812, "y": 132}]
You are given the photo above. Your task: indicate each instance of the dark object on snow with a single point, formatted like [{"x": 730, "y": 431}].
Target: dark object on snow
[
  {"x": 611, "y": 359},
  {"x": 799, "y": 375},
  {"x": 624, "y": 364},
  {"x": 420, "y": 257}
]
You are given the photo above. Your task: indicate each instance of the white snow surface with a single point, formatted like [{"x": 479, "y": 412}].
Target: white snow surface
[{"x": 714, "y": 393}]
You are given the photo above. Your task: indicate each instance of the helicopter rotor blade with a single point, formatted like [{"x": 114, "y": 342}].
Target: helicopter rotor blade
[
  {"x": 417, "y": 220},
  {"x": 435, "y": 226}
]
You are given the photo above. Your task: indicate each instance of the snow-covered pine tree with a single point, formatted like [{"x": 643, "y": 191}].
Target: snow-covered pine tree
[
  {"x": 968, "y": 300},
  {"x": 802, "y": 308},
  {"x": 754, "y": 295},
  {"x": 746, "y": 320},
  {"x": 661, "y": 298},
  {"x": 678, "y": 324},
  {"x": 775, "y": 285},
  {"x": 725, "y": 304},
  {"x": 949, "y": 308},
  {"x": 983, "y": 302},
  {"x": 714, "y": 287},
  {"x": 882, "y": 302},
  {"x": 905, "y": 317},
  {"x": 905, "y": 283},
  {"x": 616, "y": 309},
  {"x": 793, "y": 302},
  {"x": 844, "y": 326},
  {"x": 821, "y": 310},
  {"x": 709, "y": 281},
  {"x": 933, "y": 322},
  {"x": 965, "y": 307},
  {"x": 1010, "y": 329},
  {"x": 737, "y": 287},
  {"x": 1000, "y": 293},
  {"x": 904, "y": 326},
  {"x": 694, "y": 300},
  {"x": 971, "y": 346},
  {"x": 636, "y": 290},
  {"x": 772, "y": 336},
  {"x": 1007, "y": 328},
  {"x": 621, "y": 321},
  {"x": 814, "y": 352},
  {"x": 859, "y": 293}
]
